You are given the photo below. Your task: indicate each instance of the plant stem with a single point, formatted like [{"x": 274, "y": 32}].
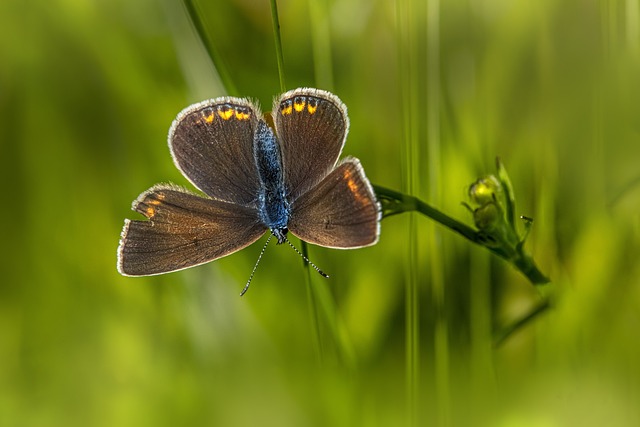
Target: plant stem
[
  {"x": 505, "y": 333},
  {"x": 278, "y": 42},
  {"x": 216, "y": 58},
  {"x": 397, "y": 203},
  {"x": 394, "y": 203},
  {"x": 409, "y": 82}
]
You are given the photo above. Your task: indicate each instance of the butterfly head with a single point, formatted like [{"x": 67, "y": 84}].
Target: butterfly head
[{"x": 280, "y": 234}]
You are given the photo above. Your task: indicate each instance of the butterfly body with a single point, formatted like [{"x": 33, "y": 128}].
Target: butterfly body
[
  {"x": 255, "y": 179},
  {"x": 273, "y": 205}
]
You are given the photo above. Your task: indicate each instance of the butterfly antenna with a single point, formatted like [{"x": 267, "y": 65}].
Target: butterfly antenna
[
  {"x": 322, "y": 273},
  {"x": 246, "y": 287}
]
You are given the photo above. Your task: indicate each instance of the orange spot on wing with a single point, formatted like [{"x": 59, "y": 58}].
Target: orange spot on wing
[
  {"x": 209, "y": 118},
  {"x": 311, "y": 108},
  {"x": 151, "y": 203},
  {"x": 352, "y": 184},
  {"x": 226, "y": 114},
  {"x": 299, "y": 106},
  {"x": 286, "y": 109},
  {"x": 159, "y": 197},
  {"x": 241, "y": 115}
]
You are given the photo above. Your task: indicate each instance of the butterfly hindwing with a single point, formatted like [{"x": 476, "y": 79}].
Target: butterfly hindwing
[
  {"x": 183, "y": 230},
  {"x": 340, "y": 212}
]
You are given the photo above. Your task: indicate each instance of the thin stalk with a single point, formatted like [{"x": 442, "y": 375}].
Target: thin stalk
[
  {"x": 623, "y": 191},
  {"x": 394, "y": 202},
  {"x": 409, "y": 95},
  {"x": 317, "y": 295},
  {"x": 480, "y": 319},
  {"x": 278, "y": 42},
  {"x": 502, "y": 335},
  {"x": 441, "y": 332},
  {"x": 321, "y": 44},
  {"x": 216, "y": 58},
  {"x": 311, "y": 297},
  {"x": 313, "y": 307}
]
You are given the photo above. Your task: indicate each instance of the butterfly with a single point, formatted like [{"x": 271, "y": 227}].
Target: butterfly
[{"x": 256, "y": 179}]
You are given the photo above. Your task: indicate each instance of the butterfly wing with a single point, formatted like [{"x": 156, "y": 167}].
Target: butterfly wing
[
  {"x": 183, "y": 230},
  {"x": 212, "y": 144},
  {"x": 311, "y": 126},
  {"x": 340, "y": 212}
]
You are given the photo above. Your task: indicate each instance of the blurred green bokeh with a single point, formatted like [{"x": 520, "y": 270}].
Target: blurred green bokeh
[{"x": 88, "y": 90}]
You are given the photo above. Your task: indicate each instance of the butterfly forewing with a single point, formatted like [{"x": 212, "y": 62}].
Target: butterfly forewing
[
  {"x": 212, "y": 144},
  {"x": 311, "y": 126},
  {"x": 183, "y": 230},
  {"x": 340, "y": 212}
]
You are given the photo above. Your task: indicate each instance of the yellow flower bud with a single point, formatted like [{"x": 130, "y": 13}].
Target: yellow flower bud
[{"x": 486, "y": 190}]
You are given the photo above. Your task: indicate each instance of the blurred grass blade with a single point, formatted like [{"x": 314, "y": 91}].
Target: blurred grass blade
[
  {"x": 507, "y": 188},
  {"x": 216, "y": 58},
  {"x": 278, "y": 42},
  {"x": 320, "y": 20},
  {"x": 503, "y": 334}
]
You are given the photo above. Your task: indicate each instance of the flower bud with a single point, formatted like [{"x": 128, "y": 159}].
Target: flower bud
[
  {"x": 488, "y": 217},
  {"x": 486, "y": 190}
]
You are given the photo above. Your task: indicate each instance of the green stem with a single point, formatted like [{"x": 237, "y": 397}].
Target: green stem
[
  {"x": 505, "y": 333},
  {"x": 278, "y": 42},
  {"x": 409, "y": 82},
  {"x": 216, "y": 58},
  {"x": 313, "y": 305},
  {"x": 394, "y": 203}
]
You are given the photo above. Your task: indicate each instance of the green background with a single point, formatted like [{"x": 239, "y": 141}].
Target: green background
[{"x": 435, "y": 91}]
